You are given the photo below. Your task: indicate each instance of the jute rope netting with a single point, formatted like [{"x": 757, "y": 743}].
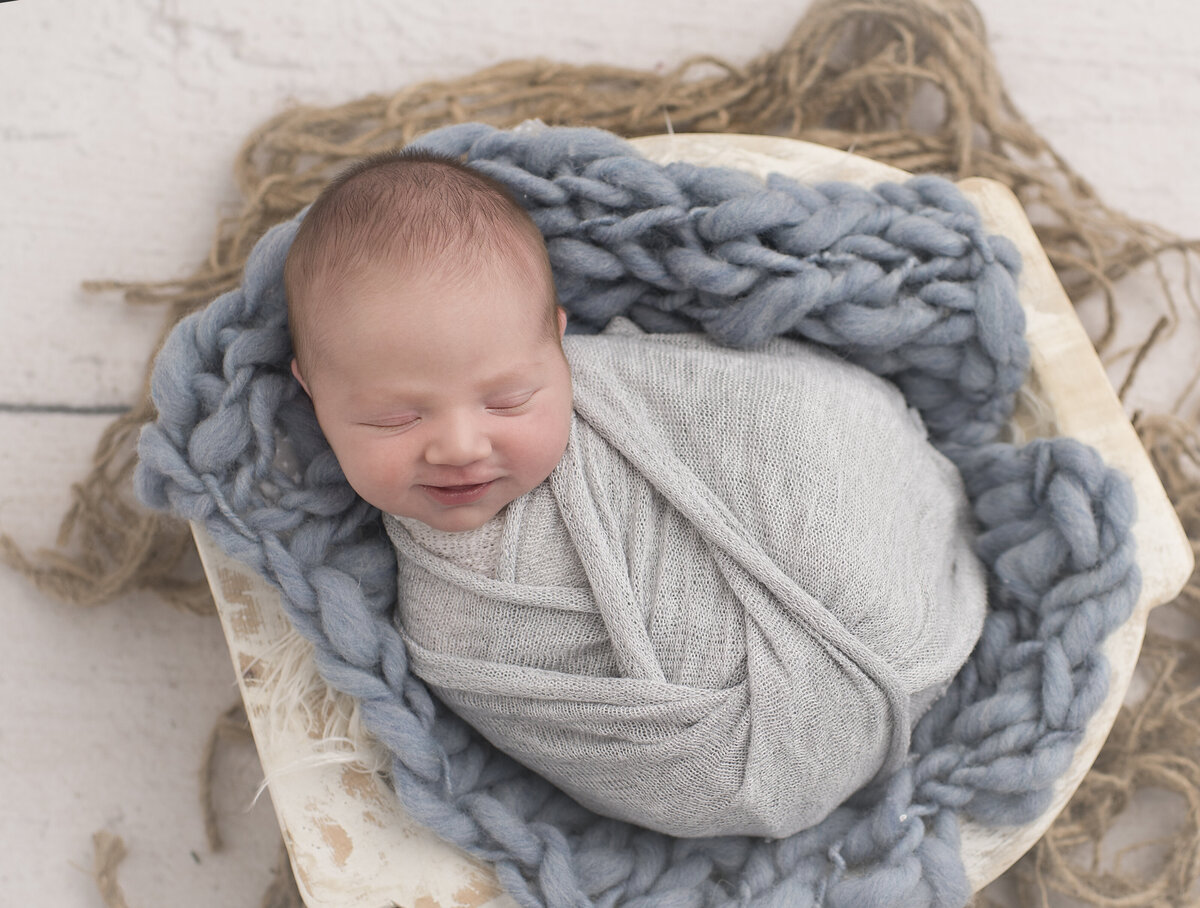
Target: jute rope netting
[{"x": 910, "y": 83}]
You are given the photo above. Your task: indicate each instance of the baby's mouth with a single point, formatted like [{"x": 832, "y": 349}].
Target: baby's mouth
[{"x": 464, "y": 494}]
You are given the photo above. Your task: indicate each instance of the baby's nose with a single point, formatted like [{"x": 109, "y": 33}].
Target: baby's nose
[{"x": 458, "y": 442}]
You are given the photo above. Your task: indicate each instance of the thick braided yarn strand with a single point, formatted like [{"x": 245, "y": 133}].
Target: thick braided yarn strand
[{"x": 901, "y": 280}]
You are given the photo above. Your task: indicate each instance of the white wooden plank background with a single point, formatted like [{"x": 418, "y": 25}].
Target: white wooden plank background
[{"x": 118, "y": 123}]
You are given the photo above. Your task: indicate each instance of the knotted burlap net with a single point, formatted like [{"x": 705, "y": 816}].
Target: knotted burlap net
[{"x": 848, "y": 76}]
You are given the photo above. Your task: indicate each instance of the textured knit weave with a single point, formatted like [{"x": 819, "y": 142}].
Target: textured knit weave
[
  {"x": 901, "y": 280},
  {"x": 714, "y": 616},
  {"x": 475, "y": 550}
]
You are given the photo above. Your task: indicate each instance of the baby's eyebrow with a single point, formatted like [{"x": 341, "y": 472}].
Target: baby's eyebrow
[
  {"x": 513, "y": 376},
  {"x": 385, "y": 411}
]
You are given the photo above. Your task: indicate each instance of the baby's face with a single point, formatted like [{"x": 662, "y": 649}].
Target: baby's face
[{"x": 442, "y": 401}]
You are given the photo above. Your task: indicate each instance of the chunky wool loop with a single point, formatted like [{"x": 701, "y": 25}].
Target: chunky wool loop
[{"x": 900, "y": 280}]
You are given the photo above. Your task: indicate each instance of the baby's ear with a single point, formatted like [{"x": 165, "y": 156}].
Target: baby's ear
[
  {"x": 562, "y": 326},
  {"x": 299, "y": 377}
]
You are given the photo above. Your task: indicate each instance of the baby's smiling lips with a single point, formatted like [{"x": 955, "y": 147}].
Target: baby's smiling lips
[{"x": 458, "y": 494}]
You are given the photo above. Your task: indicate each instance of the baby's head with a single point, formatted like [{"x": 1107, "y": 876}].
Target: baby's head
[{"x": 426, "y": 331}]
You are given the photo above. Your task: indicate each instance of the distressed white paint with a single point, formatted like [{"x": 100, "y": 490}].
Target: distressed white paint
[{"x": 118, "y": 122}]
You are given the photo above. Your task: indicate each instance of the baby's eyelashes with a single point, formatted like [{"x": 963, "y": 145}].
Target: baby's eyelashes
[
  {"x": 393, "y": 424},
  {"x": 512, "y": 405}
]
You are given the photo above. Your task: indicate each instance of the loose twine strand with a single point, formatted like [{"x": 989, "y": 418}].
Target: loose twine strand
[{"x": 911, "y": 83}]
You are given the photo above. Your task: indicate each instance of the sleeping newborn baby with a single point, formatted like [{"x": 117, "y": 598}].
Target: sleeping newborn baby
[{"x": 703, "y": 590}]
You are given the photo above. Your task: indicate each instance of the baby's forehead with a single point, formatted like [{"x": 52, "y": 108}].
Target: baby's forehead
[
  {"x": 497, "y": 291},
  {"x": 357, "y": 272}
]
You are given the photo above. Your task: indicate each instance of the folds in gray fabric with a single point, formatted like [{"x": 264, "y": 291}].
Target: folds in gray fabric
[{"x": 723, "y": 611}]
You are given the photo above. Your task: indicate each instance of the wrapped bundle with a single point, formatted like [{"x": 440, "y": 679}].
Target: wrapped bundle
[{"x": 722, "y": 613}]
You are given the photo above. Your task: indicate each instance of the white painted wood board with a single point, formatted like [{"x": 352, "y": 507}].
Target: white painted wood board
[{"x": 118, "y": 126}]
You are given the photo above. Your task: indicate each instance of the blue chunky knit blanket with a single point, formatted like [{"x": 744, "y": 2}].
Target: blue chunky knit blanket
[{"x": 901, "y": 280}]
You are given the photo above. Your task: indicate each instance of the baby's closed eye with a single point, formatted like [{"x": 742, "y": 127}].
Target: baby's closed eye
[
  {"x": 513, "y": 404},
  {"x": 392, "y": 425}
]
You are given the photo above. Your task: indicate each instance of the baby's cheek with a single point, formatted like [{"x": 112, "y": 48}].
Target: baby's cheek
[
  {"x": 389, "y": 461},
  {"x": 374, "y": 470},
  {"x": 547, "y": 443}
]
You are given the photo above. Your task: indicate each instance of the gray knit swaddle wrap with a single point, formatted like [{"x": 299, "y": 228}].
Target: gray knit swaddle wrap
[{"x": 747, "y": 577}]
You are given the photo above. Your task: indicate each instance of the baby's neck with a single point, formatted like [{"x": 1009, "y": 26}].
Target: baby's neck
[{"x": 475, "y": 550}]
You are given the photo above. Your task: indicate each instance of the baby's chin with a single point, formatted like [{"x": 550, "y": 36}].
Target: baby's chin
[{"x": 458, "y": 520}]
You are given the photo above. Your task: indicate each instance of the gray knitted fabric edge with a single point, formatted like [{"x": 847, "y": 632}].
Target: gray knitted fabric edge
[{"x": 901, "y": 280}]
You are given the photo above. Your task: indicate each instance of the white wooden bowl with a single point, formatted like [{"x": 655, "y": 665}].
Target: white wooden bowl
[{"x": 349, "y": 841}]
